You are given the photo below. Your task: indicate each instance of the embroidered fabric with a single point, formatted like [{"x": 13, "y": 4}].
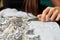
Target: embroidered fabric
[{"x": 14, "y": 25}]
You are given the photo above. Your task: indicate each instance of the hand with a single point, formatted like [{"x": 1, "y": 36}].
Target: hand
[{"x": 50, "y": 14}]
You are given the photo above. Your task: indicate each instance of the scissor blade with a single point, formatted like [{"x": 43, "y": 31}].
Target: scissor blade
[{"x": 34, "y": 19}]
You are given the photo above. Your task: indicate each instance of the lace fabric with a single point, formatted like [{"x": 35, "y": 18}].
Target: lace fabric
[{"x": 14, "y": 25}]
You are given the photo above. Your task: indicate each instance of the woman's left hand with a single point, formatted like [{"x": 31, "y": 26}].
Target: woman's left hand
[{"x": 50, "y": 14}]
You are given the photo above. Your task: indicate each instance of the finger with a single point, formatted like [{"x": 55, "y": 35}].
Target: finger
[
  {"x": 54, "y": 15},
  {"x": 58, "y": 17},
  {"x": 39, "y": 16},
  {"x": 45, "y": 13},
  {"x": 49, "y": 14}
]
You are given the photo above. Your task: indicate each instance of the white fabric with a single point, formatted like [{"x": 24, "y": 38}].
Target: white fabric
[
  {"x": 46, "y": 30},
  {"x": 13, "y": 27}
]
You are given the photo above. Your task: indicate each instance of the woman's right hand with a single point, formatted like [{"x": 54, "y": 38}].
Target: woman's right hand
[{"x": 50, "y": 14}]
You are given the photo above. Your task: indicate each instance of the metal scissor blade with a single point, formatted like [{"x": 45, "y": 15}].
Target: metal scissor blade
[{"x": 34, "y": 19}]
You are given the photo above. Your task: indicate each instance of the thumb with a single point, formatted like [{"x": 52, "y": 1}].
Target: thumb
[{"x": 39, "y": 16}]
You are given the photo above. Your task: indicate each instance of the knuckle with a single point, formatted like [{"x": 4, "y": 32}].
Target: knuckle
[{"x": 47, "y": 16}]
